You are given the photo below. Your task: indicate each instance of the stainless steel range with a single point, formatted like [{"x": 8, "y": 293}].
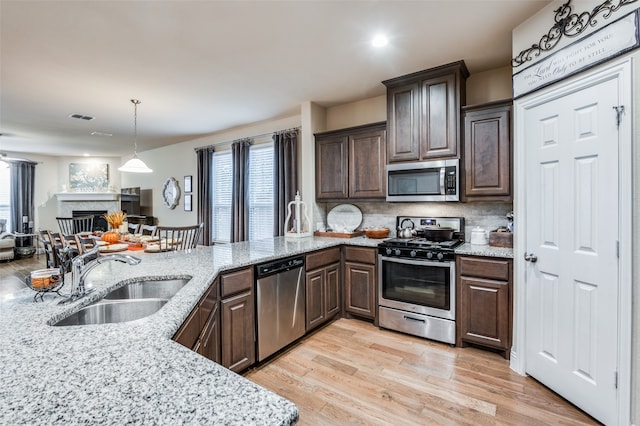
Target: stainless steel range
[{"x": 416, "y": 277}]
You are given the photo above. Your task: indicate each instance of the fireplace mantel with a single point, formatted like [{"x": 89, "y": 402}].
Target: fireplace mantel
[{"x": 87, "y": 196}]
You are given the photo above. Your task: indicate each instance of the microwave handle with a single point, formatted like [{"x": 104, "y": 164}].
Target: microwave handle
[{"x": 442, "y": 175}]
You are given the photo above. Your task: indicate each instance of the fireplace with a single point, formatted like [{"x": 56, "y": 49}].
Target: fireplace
[{"x": 99, "y": 222}]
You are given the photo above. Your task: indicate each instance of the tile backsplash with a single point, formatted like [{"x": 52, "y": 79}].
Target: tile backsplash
[{"x": 485, "y": 215}]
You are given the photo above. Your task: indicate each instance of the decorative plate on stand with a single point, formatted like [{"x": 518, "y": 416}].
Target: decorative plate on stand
[{"x": 344, "y": 218}]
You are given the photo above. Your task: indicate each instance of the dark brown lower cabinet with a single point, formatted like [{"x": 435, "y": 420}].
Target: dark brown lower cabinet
[
  {"x": 210, "y": 338},
  {"x": 238, "y": 342},
  {"x": 200, "y": 332},
  {"x": 484, "y": 291},
  {"x": 360, "y": 281},
  {"x": 322, "y": 286},
  {"x": 221, "y": 327}
]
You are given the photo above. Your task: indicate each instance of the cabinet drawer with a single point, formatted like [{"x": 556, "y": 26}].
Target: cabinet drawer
[
  {"x": 493, "y": 268},
  {"x": 321, "y": 258},
  {"x": 235, "y": 282},
  {"x": 360, "y": 254}
]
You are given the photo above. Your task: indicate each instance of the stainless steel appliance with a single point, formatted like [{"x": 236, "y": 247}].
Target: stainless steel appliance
[
  {"x": 280, "y": 304},
  {"x": 416, "y": 280},
  {"x": 423, "y": 181}
]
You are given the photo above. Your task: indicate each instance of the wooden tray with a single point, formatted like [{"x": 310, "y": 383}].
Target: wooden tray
[{"x": 338, "y": 234}]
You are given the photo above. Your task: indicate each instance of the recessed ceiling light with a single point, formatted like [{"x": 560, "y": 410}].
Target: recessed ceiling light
[
  {"x": 379, "y": 40},
  {"x": 101, "y": 134}
]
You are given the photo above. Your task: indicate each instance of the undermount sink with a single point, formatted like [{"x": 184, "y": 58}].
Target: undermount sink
[
  {"x": 148, "y": 289},
  {"x": 130, "y": 302},
  {"x": 112, "y": 311}
]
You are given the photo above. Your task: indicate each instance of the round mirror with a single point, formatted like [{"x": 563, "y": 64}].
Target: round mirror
[{"x": 171, "y": 193}]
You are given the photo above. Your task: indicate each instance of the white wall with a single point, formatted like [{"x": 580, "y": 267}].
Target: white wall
[
  {"x": 529, "y": 33},
  {"x": 179, "y": 160}
]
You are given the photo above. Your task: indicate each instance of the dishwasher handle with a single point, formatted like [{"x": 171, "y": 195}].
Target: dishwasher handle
[{"x": 282, "y": 265}]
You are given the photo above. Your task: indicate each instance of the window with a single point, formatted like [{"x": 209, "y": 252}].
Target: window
[
  {"x": 222, "y": 177},
  {"x": 5, "y": 185},
  {"x": 260, "y": 190}
]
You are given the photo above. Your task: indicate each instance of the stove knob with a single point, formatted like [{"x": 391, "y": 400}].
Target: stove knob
[
  {"x": 389, "y": 251},
  {"x": 440, "y": 256},
  {"x": 430, "y": 255},
  {"x": 398, "y": 252},
  {"x": 413, "y": 253}
]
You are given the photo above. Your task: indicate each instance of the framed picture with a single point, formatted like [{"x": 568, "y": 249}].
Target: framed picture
[
  {"x": 88, "y": 176},
  {"x": 187, "y": 183},
  {"x": 187, "y": 202}
]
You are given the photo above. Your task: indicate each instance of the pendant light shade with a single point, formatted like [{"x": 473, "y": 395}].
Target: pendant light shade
[{"x": 135, "y": 165}]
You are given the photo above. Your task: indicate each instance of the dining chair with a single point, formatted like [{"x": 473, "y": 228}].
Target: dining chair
[
  {"x": 57, "y": 244},
  {"x": 148, "y": 230},
  {"x": 133, "y": 228},
  {"x": 74, "y": 225},
  {"x": 85, "y": 244},
  {"x": 179, "y": 237},
  {"x": 45, "y": 238}
]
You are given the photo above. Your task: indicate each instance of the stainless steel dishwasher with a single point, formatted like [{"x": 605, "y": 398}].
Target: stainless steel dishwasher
[{"x": 280, "y": 304}]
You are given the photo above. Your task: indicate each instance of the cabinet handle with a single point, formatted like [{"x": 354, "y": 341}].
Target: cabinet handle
[
  {"x": 413, "y": 319},
  {"x": 530, "y": 257}
]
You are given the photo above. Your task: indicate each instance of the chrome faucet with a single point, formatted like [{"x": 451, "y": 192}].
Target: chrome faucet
[{"x": 80, "y": 269}]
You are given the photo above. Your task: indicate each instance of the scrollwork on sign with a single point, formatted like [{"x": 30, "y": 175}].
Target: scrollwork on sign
[{"x": 568, "y": 24}]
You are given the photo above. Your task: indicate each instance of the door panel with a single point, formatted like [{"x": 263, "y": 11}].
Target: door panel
[{"x": 571, "y": 151}]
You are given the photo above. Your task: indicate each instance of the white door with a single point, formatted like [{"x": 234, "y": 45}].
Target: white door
[{"x": 572, "y": 229}]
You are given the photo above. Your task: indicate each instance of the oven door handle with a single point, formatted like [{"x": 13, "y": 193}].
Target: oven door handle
[{"x": 446, "y": 264}]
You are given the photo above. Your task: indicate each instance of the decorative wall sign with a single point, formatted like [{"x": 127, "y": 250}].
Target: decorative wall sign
[
  {"x": 88, "y": 177},
  {"x": 187, "y": 183},
  {"x": 569, "y": 24},
  {"x": 187, "y": 202},
  {"x": 610, "y": 41}
]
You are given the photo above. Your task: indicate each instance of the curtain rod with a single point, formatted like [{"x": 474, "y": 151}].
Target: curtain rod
[{"x": 214, "y": 145}]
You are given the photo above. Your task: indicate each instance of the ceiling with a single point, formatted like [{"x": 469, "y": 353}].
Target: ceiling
[{"x": 200, "y": 67}]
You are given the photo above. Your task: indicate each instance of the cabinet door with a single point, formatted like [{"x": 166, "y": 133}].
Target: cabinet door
[
  {"x": 439, "y": 115},
  {"x": 403, "y": 106},
  {"x": 367, "y": 160},
  {"x": 210, "y": 337},
  {"x": 315, "y": 294},
  {"x": 189, "y": 332},
  {"x": 332, "y": 290},
  {"x": 331, "y": 168},
  {"x": 487, "y": 154},
  {"x": 485, "y": 312},
  {"x": 359, "y": 289},
  {"x": 238, "y": 324}
]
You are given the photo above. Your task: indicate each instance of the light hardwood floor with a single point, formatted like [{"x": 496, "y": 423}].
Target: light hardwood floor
[{"x": 352, "y": 373}]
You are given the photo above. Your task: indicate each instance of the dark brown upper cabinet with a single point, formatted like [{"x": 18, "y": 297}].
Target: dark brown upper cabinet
[
  {"x": 486, "y": 174},
  {"x": 350, "y": 163},
  {"x": 423, "y": 113}
]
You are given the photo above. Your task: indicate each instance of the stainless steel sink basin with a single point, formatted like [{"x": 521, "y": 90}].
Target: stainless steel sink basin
[
  {"x": 112, "y": 311},
  {"x": 148, "y": 289}
]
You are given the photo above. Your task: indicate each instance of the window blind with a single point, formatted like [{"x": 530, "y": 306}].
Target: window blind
[{"x": 261, "y": 191}]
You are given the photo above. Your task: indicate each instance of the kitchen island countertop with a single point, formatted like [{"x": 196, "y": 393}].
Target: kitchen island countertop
[{"x": 133, "y": 372}]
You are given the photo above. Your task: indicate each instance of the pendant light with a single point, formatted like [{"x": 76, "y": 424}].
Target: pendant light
[{"x": 135, "y": 165}]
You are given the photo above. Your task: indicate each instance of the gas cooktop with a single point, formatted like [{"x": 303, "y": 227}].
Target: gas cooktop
[{"x": 419, "y": 247}]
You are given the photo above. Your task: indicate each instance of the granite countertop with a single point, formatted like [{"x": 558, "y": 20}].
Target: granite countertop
[
  {"x": 485, "y": 250},
  {"x": 133, "y": 372}
]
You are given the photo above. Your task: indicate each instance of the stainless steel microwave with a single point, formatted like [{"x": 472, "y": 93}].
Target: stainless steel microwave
[{"x": 423, "y": 181}]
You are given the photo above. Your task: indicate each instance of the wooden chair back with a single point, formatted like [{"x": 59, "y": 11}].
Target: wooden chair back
[
  {"x": 57, "y": 244},
  {"x": 148, "y": 230},
  {"x": 179, "y": 238},
  {"x": 50, "y": 259},
  {"x": 74, "y": 225}
]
